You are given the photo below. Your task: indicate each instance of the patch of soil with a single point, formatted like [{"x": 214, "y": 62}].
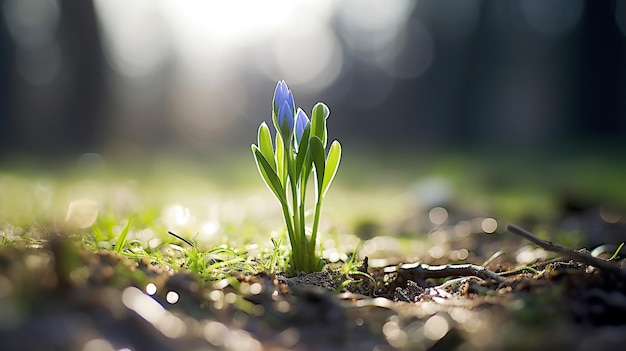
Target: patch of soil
[{"x": 61, "y": 297}]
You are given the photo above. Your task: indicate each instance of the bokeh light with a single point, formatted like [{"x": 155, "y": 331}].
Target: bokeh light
[
  {"x": 489, "y": 225},
  {"x": 180, "y": 75},
  {"x": 436, "y": 327},
  {"x": 33, "y": 25},
  {"x": 151, "y": 289},
  {"x": 556, "y": 17}
]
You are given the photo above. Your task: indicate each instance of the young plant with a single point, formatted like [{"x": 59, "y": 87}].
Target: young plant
[{"x": 298, "y": 151}]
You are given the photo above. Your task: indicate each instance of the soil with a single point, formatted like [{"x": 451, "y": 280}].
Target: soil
[{"x": 57, "y": 296}]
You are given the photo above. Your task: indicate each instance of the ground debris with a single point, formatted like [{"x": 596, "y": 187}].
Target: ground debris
[{"x": 70, "y": 297}]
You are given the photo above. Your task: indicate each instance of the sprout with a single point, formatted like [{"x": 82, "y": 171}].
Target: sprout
[{"x": 287, "y": 164}]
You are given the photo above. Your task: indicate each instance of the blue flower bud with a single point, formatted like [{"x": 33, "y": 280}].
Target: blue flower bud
[
  {"x": 285, "y": 121},
  {"x": 282, "y": 94},
  {"x": 301, "y": 122}
]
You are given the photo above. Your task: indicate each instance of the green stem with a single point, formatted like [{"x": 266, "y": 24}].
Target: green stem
[
  {"x": 303, "y": 184},
  {"x": 289, "y": 225},
  {"x": 298, "y": 243},
  {"x": 298, "y": 250},
  {"x": 287, "y": 212},
  {"x": 316, "y": 220}
]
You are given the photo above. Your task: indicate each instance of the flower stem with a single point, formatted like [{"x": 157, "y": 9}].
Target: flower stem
[
  {"x": 290, "y": 231},
  {"x": 299, "y": 244},
  {"x": 316, "y": 220},
  {"x": 298, "y": 235},
  {"x": 303, "y": 184}
]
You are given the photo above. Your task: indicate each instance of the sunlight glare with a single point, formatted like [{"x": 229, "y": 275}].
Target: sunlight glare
[
  {"x": 463, "y": 228},
  {"x": 145, "y": 306},
  {"x": 208, "y": 230},
  {"x": 98, "y": 345},
  {"x": 176, "y": 215},
  {"x": 224, "y": 21},
  {"x": 210, "y": 35},
  {"x": 215, "y": 333},
  {"x": 289, "y": 337},
  {"x": 151, "y": 289},
  {"x": 489, "y": 225},
  {"x": 394, "y": 334},
  {"x": 436, "y": 327},
  {"x": 609, "y": 216},
  {"x": 310, "y": 57},
  {"x": 82, "y": 213},
  {"x": 172, "y": 297},
  {"x": 371, "y": 26},
  {"x": 438, "y": 215},
  {"x": 136, "y": 40},
  {"x": 152, "y": 311}
]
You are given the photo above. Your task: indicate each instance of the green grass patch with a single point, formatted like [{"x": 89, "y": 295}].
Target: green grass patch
[{"x": 223, "y": 208}]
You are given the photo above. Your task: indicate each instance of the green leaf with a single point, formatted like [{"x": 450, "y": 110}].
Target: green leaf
[
  {"x": 265, "y": 144},
  {"x": 275, "y": 119},
  {"x": 332, "y": 164},
  {"x": 281, "y": 170},
  {"x": 317, "y": 156},
  {"x": 268, "y": 175},
  {"x": 318, "y": 121},
  {"x": 121, "y": 240},
  {"x": 303, "y": 148}
]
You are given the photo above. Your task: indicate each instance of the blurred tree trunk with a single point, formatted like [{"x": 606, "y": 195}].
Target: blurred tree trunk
[
  {"x": 7, "y": 76},
  {"x": 601, "y": 85},
  {"x": 83, "y": 47},
  {"x": 62, "y": 113}
]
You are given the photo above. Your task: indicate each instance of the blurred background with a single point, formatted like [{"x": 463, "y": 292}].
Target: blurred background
[
  {"x": 133, "y": 78},
  {"x": 467, "y": 113}
]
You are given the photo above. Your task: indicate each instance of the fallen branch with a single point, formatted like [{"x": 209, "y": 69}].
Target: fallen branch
[
  {"x": 577, "y": 255},
  {"x": 423, "y": 271}
]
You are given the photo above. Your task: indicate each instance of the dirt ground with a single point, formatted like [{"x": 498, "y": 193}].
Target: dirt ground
[{"x": 56, "y": 296}]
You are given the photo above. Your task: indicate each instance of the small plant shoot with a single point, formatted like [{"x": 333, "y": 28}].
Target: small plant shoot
[{"x": 297, "y": 152}]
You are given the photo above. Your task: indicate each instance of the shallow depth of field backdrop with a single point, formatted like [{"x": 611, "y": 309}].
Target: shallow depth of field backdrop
[
  {"x": 195, "y": 77},
  {"x": 517, "y": 98},
  {"x": 121, "y": 120}
]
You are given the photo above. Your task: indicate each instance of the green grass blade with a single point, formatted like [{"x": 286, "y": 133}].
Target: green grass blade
[
  {"x": 619, "y": 248},
  {"x": 121, "y": 240}
]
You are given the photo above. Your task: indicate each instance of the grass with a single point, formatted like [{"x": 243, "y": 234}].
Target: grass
[{"x": 235, "y": 225}]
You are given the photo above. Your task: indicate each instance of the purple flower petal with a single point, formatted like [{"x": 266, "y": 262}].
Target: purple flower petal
[
  {"x": 301, "y": 121},
  {"x": 285, "y": 118},
  {"x": 282, "y": 93}
]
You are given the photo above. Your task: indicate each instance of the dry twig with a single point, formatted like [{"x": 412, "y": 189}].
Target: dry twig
[
  {"x": 577, "y": 255},
  {"x": 424, "y": 271}
]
